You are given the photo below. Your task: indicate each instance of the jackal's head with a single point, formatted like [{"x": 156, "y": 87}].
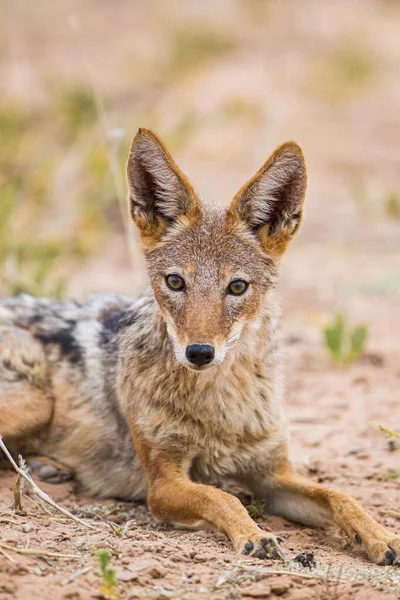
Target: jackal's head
[{"x": 211, "y": 268}]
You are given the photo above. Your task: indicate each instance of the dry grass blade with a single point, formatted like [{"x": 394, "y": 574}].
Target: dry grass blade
[
  {"x": 37, "y": 502},
  {"x": 278, "y": 572},
  {"x": 6, "y": 555},
  {"x": 38, "y": 491},
  {"x": 32, "y": 552},
  {"x": 393, "y": 512},
  {"x": 17, "y": 494},
  {"x": 389, "y": 432},
  {"x": 241, "y": 570},
  {"x": 112, "y": 147}
]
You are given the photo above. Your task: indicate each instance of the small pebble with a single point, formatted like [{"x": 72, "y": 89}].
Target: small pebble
[{"x": 279, "y": 588}]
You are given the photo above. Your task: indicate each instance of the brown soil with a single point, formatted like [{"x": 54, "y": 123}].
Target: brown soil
[{"x": 346, "y": 258}]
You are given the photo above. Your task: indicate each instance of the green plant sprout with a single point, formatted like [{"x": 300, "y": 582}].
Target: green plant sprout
[
  {"x": 107, "y": 573},
  {"x": 345, "y": 345}
]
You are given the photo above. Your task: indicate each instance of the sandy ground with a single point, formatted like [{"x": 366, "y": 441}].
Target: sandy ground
[
  {"x": 334, "y": 415},
  {"x": 281, "y": 79}
]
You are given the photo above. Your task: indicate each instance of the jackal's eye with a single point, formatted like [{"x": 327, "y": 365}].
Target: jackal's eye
[
  {"x": 237, "y": 287},
  {"x": 175, "y": 282}
]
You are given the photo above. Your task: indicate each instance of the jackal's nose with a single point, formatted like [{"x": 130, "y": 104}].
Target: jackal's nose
[{"x": 200, "y": 354}]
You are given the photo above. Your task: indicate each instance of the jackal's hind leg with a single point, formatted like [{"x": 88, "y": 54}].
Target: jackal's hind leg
[
  {"x": 48, "y": 470},
  {"x": 25, "y": 404}
]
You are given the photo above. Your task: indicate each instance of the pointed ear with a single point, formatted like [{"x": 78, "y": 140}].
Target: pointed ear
[
  {"x": 270, "y": 204},
  {"x": 159, "y": 193}
]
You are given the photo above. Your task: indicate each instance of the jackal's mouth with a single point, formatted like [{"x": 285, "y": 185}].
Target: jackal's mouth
[{"x": 199, "y": 369}]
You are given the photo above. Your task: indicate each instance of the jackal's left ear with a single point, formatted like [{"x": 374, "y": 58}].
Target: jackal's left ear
[
  {"x": 271, "y": 202},
  {"x": 159, "y": 193}
]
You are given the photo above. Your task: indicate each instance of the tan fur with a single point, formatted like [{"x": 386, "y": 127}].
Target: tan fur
[{"x": 111, "y": 372}]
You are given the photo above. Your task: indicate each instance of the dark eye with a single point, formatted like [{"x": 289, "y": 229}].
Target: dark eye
[
  {"x": 175, "y": 283},
  {"x": 237, "y": 287}
]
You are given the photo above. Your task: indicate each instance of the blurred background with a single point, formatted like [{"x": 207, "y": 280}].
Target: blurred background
[{"x": 222, "y": 83}]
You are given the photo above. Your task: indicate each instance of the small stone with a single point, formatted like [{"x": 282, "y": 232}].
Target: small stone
[
  {"x": 201, "y": 558},
  {"x": 27, "y": 528},
  {"x": 156, "y": 573},
  {"x": 256, "y": 591},
  {"x": 301, "y": 594},
  {"x": 279, "y": 588},
  {"x": 8, "y": 588},
  {"x": 362, "y": 455}
]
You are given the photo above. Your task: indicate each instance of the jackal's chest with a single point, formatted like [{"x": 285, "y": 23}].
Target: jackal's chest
[
  {"x": 218, "y": 457},
  {"x": 235, "y": 433}
]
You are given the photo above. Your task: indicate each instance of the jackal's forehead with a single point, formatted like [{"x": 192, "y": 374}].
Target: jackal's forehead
[{"x": 211, "y": 249}]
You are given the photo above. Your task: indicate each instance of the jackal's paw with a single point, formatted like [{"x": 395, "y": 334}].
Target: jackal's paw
[
  {"x": 49, "y": 471},
  {"x": 264, "y": 545},
  {"x": 385, "y": 552}
]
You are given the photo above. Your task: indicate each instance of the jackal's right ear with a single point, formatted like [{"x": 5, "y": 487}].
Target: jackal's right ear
[
  {"x": 159, "y": 193},
  {"x": 271, "y": 203}
]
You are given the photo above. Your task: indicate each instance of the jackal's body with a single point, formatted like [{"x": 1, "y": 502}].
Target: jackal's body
[
  {"x": 74, "y": 347},
  {"x": 78, "y": 349},
  {"x": 154, "y": 398}
]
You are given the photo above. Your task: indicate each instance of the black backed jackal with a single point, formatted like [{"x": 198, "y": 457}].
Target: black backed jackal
[{"x": 159, "y": 397}]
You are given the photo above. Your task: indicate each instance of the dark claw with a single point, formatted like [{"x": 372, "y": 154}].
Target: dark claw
[
  {"x": 248, "y": 547},
  {"x": 357, "y": 537},
  {"x": 259, "y": 526},
  {"x": 389, "y": 558},
  {"x": 272, "y": 550},
  {"x": 391, "y": 555},
  {"x": 280, "y": 540}
]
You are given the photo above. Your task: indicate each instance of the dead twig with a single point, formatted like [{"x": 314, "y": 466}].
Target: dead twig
[
  {"x": 42, "y": 553},
  {"x": 37, "y": 489}
]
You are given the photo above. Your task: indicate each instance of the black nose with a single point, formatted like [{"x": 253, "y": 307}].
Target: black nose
[{"x": 200, "y": 354}]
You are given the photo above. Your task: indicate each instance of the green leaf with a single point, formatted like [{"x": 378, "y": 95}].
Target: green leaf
[
  {"x": 358, "y": 338},
  {"x": 334, "y": 334}
]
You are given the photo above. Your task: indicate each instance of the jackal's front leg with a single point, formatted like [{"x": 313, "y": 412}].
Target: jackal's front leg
[
  {"x": 300, "y": 499},
  {"x": 174, "y": 498}
]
